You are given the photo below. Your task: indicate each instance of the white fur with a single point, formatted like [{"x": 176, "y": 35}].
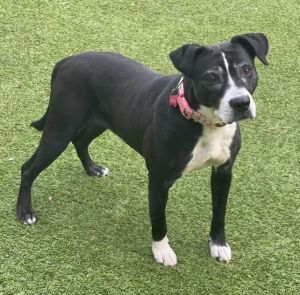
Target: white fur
[
  {"x": 225, "y": 112},
  {"x": 30, "y": 220},
  {"x": 105, "y": 171},
  {"x": 210, "y": 115},
  {"x": 212, "y": 148},
  {"x": 163, "y": 253},
  {"x": 222, "y": 253}
]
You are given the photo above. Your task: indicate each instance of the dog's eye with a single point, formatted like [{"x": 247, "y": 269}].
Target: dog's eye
[
  {"x": 211, "y": 78},
  {"x": 247, "y": 70}
]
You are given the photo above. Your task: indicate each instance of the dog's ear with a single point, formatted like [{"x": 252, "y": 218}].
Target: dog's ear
[
  {"x": 183, "y": 58},
  {"x": 255, "y": 43}
]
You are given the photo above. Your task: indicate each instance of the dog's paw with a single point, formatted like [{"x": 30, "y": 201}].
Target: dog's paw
[
  {"x": 163, "y": 253},
  {"x": 26, "y": 216},
  {"x": 220, "y": 252},
  {"x": 95, "y": 170}
]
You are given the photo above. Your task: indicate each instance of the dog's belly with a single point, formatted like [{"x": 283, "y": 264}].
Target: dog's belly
[{"x": 212, "y": 148}]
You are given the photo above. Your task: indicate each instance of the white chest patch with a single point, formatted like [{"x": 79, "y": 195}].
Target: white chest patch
[{"x": 212, "y": 148}]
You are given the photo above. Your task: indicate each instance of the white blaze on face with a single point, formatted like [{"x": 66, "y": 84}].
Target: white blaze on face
[{"x": 225, "y": 111}]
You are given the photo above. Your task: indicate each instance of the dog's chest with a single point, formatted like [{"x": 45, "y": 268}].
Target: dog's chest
[{"x": 212, "y": 148}]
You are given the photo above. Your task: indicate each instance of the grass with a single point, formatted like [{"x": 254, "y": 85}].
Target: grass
[{"x": 93, "y": 235}]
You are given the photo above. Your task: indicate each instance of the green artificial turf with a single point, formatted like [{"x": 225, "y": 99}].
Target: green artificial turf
[{"x": 93, "y": 234}]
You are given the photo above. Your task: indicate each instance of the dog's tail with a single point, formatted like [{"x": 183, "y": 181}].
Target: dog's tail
[{"x": 39, "y": 124}]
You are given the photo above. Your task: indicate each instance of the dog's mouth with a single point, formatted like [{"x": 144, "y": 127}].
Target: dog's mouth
[
  {"x": 239, "y": 116},
  {"x": 228, "y": 116}
]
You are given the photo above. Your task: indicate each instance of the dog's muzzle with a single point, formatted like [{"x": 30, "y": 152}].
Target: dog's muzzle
[{"x": 238, "y": 108}]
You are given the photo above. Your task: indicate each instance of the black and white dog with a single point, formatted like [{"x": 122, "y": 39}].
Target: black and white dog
[{"x": 178, "y": 123}]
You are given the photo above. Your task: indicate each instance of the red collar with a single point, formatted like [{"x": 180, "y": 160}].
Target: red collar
[{"x": 177, "y": 98}]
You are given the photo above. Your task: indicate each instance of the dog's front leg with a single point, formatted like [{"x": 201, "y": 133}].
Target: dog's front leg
[
  {"x": 158, "y": 196},
  {"x": 220, "y": 186}
]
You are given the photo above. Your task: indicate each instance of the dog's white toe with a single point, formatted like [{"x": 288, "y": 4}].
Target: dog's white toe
[
  {"x": 105, "y": 171},
  {"x": 30, "y": 220},
  {"x": 163, "y": 253},
  {"x": 220, "y": 252}
]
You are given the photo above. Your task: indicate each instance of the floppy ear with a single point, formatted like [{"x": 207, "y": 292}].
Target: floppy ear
[
  {"x": 183, "y": 58},
  {"x": 255, "y": 43}
]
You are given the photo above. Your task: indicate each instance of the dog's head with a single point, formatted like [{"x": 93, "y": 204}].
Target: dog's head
[{"x": 223, "y": 77}]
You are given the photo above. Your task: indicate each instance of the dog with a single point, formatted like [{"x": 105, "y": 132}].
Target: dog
[{"x": 178, "y": 123}]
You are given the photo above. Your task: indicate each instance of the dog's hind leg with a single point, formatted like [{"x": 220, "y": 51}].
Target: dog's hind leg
[
  {"x": 62, "y": 124},
  {"x": 51, "y": 146},
  {"x": 90, "y": 131}
]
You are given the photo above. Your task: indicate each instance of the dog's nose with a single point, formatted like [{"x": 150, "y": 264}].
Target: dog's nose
[{"x": 240, "y": 103}]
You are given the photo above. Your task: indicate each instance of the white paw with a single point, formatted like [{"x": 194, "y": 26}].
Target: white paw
[
  {"x": 163, "y": 253},
  {"x": 105, "y": 171},
  {"x": 219, "y": 252},
  {"x": 30, "y": 220}
]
